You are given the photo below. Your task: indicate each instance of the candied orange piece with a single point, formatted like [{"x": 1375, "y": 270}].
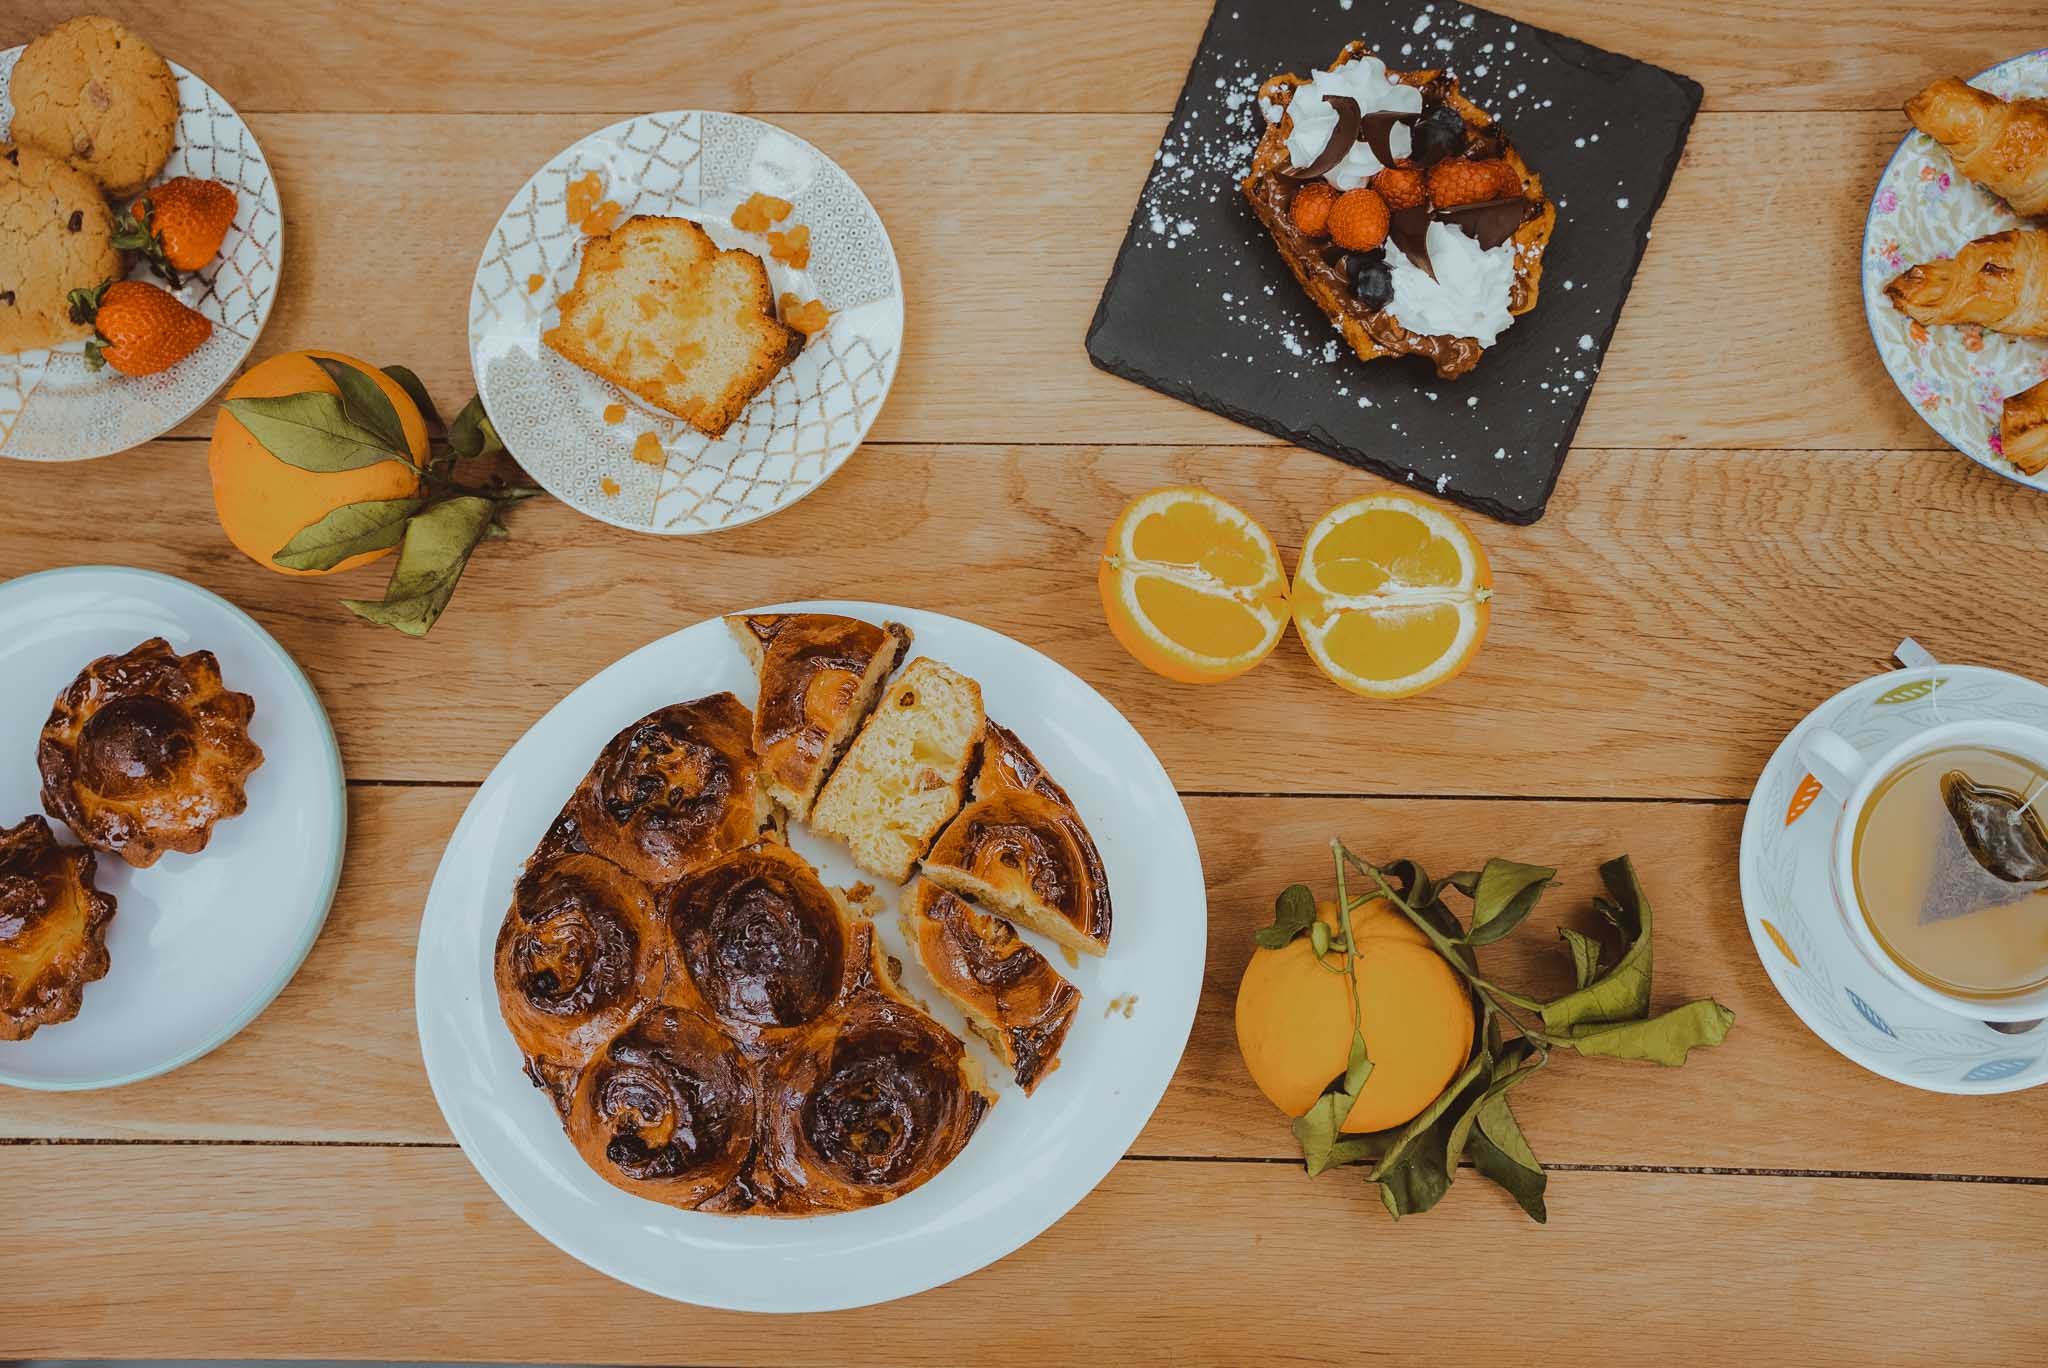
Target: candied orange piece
[
  {"x": 647, "y": 450},
  {"x": 759, "y": 211},
  {"x": 584, "y": 192},
  {"x": 808, "y": 317},
  {"x": 792, "y": 248},
  {"x": 609, "y": 486},
  {"x": 615, "y": 413}
]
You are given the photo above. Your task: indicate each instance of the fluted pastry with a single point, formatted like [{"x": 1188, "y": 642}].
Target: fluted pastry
[
  {"x": 145, "y": 751},
  {"x": 580, "y": 947},
  {"x": 2001, "y": 144},
  {"x": 671, "y": 792},
  {"x": 1012, "y": 997},
  {"x": 2023, "y": 429},
  {"x": 1998, "y": 282},
  {"x": 820, "y": 675},
  {"x": 53, "y": 928}
]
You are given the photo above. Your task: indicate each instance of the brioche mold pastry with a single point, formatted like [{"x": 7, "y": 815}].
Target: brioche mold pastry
[
  {"x": 53, "y": 928},
  {"x": 1401, "y": 207},
  {"x": 146, "y": 751}
]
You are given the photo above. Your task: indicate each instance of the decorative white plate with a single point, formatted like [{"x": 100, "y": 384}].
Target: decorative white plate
[
  {"x": 1789, "y": 901},
  {"x": 53, "y": 409},
  {"x": 1033, "y": 1157},
  {"x": 1924, "y": 210},
  {"x": 796, "y": 433},
  {"x": 199, "y": 943}
]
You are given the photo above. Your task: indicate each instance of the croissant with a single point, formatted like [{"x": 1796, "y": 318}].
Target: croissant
[
  {"x": 2023, "y": 429},
  {"x": 2000, "y": 144},
  {"x": 1998, "y": 282}
]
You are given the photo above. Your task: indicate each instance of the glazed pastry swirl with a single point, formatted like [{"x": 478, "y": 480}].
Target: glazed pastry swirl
[
  {"x": 53, "y": 928},
  {"x": 1010, "y": 994},
  {"x": 1030, "y": 859},
  {"x": 761, "y": 939},
  {"x": 666, "y": 1109},
  {"x": 580, "y": 940},
  {"x": 146, "y": 751},
  {"x": 673, "y": 791}
]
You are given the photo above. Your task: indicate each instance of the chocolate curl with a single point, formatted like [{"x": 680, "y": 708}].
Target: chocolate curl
[
  {"x": 1491, "y": 222},
  {"x": 1342, "y": 138},
  {"x": 1375, "y": 129},
  {"x": 1409, "y": 229}
]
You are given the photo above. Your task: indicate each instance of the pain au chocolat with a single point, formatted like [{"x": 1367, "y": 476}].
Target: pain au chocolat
[
  {"x": 1021, "y": 851},
  {"x": 1011, "y": 996},
  {"x": 820, "y": 674},
  {"x": 145, "y": 751},
  {"x": 53, "y": 928}
]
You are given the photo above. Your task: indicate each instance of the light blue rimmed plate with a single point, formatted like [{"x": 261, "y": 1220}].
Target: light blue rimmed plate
[
  {"x": 1956, "y": 378},
  {"x": 1789, "y": 902},
  {"x": 200, "y": 943}
]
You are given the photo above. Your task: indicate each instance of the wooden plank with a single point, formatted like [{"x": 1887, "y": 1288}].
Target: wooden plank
[
  {"x": 982, "y": 55},
  {"x": 335, "y": 1059},
  {"x": 1653, "y": 637},
  {"x": 351, "y": 1253}
]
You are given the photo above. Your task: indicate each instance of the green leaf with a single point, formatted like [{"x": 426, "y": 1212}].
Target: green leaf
[
  {"x": 364, "y": 403},
  {"x": 1502, "y": 896},
  {"x": 1416, "y": 1184},
  {"x": 1585, "y": 955},
  {"x": 1509, "y": 1071},
  {"x": 1426, "y": 896},
  {"x": 430, "y": 562},
  {"x": 1500, "y": 1152},
  {"x": 1623, "y": 992},
  {"x": 1665, "y": 1039},
  {"x": 1411, "y": 1172},
  {"x": 1358, "y": 1067},
  {"x": 471, "y": 434},
  {"x": 1320, "y": 1132},
  {"x": 310, "y": 431},
  {"x": 349, "y": 530},
  {"x": 1427, "y": 1117},
  {"x": 415, "y": 391},
  {"x": 1294, "y": 911}
]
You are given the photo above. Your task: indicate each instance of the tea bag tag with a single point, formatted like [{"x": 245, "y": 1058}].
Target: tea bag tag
[{"x": 1913, "y": 656}]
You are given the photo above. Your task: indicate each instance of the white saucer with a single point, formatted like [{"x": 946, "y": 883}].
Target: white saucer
[
  {"x": 199, "y": 943},
  {"x": 1789, "y": 901},
  {"x": 1031, "y": 1159}
]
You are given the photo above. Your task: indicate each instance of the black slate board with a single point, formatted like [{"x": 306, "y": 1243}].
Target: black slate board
[{"x": 1200, "y": 306}]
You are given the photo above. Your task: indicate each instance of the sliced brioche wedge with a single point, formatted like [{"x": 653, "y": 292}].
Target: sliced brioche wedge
[
  {"x": 1011, "y": 996},
  {"x": 820, "y": 677},
  {"x": 658, "y": 310},
  {"x": 905, "y": 775}
]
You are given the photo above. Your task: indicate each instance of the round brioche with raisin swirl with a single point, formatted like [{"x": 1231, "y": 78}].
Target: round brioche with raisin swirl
[
  {"x": 145, "y": 751},
  {"x": 53, "y": 928}
]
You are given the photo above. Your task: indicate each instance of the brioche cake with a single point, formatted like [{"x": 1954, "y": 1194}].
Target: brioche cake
[
  {"x": 660, "y": 311},
  {"x": 905, "y": 774},
  {"x": 1011, "y": 996},
  {"x": 820, "y": 675}
]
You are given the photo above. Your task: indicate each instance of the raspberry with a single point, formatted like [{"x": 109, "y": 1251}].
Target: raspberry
[
  {"x": 1358, "y": 222},
  {"x": 1454, "y": 181},
  {"x": 1507, "y": 180},
  {"x": 1312, "y": 205},
  {"x": 1400, "y": 187}
]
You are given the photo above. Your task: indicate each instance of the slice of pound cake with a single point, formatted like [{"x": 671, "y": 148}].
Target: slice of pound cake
[
  {"x": 906, "y": 773},
  {"x": 659, "y": 310}
]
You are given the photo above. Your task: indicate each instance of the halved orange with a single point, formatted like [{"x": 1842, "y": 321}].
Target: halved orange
[
  {"x": 1391, "y": 596},
  {"x": 1192, "y": 586}
]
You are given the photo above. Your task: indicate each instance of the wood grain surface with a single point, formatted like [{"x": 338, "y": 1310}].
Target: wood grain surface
[{"x": 1750, "y": 521}]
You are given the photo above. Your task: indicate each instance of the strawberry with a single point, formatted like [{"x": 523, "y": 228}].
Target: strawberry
[
  {"x": 1400, "y": 187},
  {"x": 1312, "y": 205},
  {"x": 1358, "y": 221},
  {"x": 1455, "y": 181},
  {"x": 178, "y": 225},
  {"x": 138, "y": 328}
]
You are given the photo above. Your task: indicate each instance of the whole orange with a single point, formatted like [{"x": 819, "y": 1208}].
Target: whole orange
[
  {"x": 1294, "y": 1019},
  {"x": 262, "y": 502}
]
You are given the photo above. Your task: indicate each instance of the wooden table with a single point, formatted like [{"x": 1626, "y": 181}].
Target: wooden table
[{"x": 1752, "y": 518}]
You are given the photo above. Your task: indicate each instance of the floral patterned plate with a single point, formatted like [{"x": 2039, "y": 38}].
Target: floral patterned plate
[
  {"x": 1789, "y": 901},
  {"x": 1923, "y": 210},
  {"x": 795, "y": 433},
  {"x": 53, "y": 409}
]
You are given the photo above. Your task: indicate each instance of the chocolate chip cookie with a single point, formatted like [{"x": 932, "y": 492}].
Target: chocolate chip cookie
[
  {"x": 55, "y": 236},
  {"x": 92, "y": 91}
]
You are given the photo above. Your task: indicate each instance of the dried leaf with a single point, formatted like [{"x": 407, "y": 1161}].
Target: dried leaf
[
  {"x": 430, "y": 563},
  {"x": 1585, "y": 955},
  {"x": 364, "y": 403},
  {"x": 417, "y": 392},
  {"x": 1623, "y": 992},
  {"x": 1411, "y": 1172},
  {"x": 310, "y": 431},
  {"x": 1474, "y": 1068},
  {"x": 471, "y": 434},
  {"x": 1665, "y": 1039},
  {"x": 1500, "y": 1152},
  {"x": 1502, "y": 896},
  {"x": 349, "y": 530},
  {"x": 1294, "y": 911}
]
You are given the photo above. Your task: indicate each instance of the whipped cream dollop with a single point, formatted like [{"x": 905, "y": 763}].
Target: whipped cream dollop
[
  {"x": 1469, "y": 295},
  {"x": 1367, "y": 82}
]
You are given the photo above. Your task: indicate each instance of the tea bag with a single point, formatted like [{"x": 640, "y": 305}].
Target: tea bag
[{"x": 1994, "y": 852}]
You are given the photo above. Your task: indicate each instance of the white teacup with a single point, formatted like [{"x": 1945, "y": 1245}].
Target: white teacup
[{"x": 1853, "y": 778}]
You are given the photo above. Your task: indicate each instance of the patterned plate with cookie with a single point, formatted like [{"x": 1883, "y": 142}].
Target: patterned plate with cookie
[
  {"x": 1957, "y": 378},
  {"x": 53, "y": 408},
  {"x": 602, "y": 450}
]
